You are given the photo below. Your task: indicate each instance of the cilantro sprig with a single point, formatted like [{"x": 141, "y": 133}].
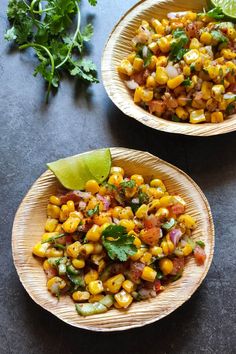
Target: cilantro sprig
[
  {"x": 45, "y": 26},
  {"x": 94, "y": 211},
  {"x": 118, "y": 243},
  {"x": 177, "y": 49},
  {"x": 215, "y": 13}
]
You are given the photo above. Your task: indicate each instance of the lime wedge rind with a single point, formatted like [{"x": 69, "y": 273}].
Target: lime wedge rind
[
  {"x": 74, "y": 171},
  {"x": 228, "y": 7}
]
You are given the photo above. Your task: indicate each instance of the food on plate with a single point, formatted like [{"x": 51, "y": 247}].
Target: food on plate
[
  {"x": 117, "y": 242},
  {"x": 183, "y": 67}
]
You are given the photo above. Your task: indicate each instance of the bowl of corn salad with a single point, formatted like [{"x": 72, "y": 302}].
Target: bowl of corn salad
[
  {"x": 117, "y": 255},
  {"x": 173, "y": 67}
]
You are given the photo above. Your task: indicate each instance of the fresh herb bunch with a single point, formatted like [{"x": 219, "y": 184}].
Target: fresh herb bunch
[{"x": 45, "y": 26}]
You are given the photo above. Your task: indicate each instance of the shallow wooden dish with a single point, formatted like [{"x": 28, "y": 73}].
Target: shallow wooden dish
[
  {"x": 119, "y": 45},
  {"x": 29, "y": 224}
]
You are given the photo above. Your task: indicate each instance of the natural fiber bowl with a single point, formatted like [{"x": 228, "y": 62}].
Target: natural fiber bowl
[
  {"x": 119, "y": 46},
  {"x": 29, "y": 225}
]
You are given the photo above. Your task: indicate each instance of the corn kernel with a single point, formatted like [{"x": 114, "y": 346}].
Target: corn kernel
[
  {"x": 64, "y": 213},
  {"x": 71, "y": 225},
  {"x": 53, "y": 211},
  {"x": 126, "y": 67},
  {"x": 55, "y": 284},
  {"x": 148, "y": 274},
  {"x": 187, "y": 249},
  {"x": 187, "y": 220},
  {"x": 156, "y": 251},
  {"x": 115, "y": 179},
  {"x": 191, "y": 56},
  {"x": 78, "y": 263},
  {"x": 181, "y": 113},
  {"x": 217, "y": 117},
  {"x": 117, "y": 170},
  {"x": 150, "y": 82},
  {"x": 71, "y": 205},
  {"x": 40, "y": 249},
  {"x": 157, "y": 25},
  {"x": 86, "y": 249},
  {"x": 186, "y": 70},
  {"x": 138, "y": 64},
  {"x": 138, "y": 254},
  {"x": 137, "y": 94},
  {"x": 175, "y": 82},
  {"x": 197, "y": 116},
  {"x": 94, "y": 233},
  {"x": 142, "y": 211},
  {"x": 128, "y": 286},
  {"x": 166, "y": 266},
  {"x": 217, "y": 92},
  {"x": 194, "y": 44},
  {"x": 55, "y": 200},
  {"x": 80, "y": 295},
  {"x": 146, "y": 95},
  {"x": 128, "y": 224},
  {"x": 73, "y": 250},
  {"x": 95, "y": 287},
  {"x": 126, "y": 213},
  {"x": 228, "y": 54},
  {"x": 153, "y": 46},
  {"x": 162, "y": 213},
  {"x": 114, "y": 284},
  {"x": 206, "y": 38},
  {"x": 161, "y": 75},
  {"x": 51, "y": 225},
  {"x": 131, "y": 57},
  {"x": 90, "y": 276},
  {"x": 95, "y": 298},
  {"x": 92, "y": 186},
  {"x": 146, "y": 258},
  {"x": 206, "y": 90},
  {"x": 161, "y": 61},
  {"x": 123, "y": 299},
  {"x": 53, "y": 252}
]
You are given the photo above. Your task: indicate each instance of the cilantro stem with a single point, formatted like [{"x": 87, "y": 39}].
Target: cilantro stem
[
  {"x": 74, "y": 38},
  {"x": 36, "y": 45}
]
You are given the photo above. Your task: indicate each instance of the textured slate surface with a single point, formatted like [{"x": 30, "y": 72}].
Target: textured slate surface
[{"x": 32, "y": 134}]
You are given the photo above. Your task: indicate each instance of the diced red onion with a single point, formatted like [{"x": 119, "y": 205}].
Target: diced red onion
[
  {"x": 145, "y": 51},
  {"x": 173, "y": 15},
  {"x": 172, "y": 72},
  {"x": 116, "y": 221},
  {"x": 135, "y": 200},
  {"x": 131, "y": 84},
  {"x": 105, "y": 201},
  {"x": 82, "y": 205},
  {"x": 83, "y": 195},
  {"x": 175, "y": 236}
]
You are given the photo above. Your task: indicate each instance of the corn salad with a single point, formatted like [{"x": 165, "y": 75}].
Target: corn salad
[
  {"x": 183, "y": 67},
  {"x": 115, "y": 243}
]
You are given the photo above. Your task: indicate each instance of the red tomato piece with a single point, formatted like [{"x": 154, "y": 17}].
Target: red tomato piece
[
  {"x": 151, "y": 236},
  {"x": 178, "y": 209},
  {"x": 178, "y": 266},
  {"x": 136, "y": 269},
  {"x": 199, "y": 254},
  {"x": 151, "y": 221},
  {"x": 157, "y": 285}
]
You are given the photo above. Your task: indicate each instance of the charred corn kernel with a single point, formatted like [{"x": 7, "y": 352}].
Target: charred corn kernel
[
  {"x": 137, "y": 242},
  {"x": 191, "y": 56},
  {"x": 101, "y": 266},
  {"x": 217, "y": 117},
  {"x": 94, "y": 233},
  {"x": 231, "y": 33},
  {"x": 78, "y": 263},
  {"x": 56, "y": 283},
  {"x": 153, "y": 46},
  {"x": 138, "y": 64},
  {"x": 126, "y": 67},
  {"x": 197, "y": 116},
  {"x": 156, "y": 192},
  {"x": 217, "y": 92},
  {"x": 92, "y": 203},
  {"x": 126, "y": 213},
  {"x": 114, "y": 284},
  {"x": 187, "y": 220},
  {"x": 137, "y": 94},
  {"x": 161, "y": 75},
  {"x": 181, "y": 113},
  {"x": 128, "y": 285},
  {"x": 95, "y": 287},
  {"x": 206, "y": 90},
  {"x": 73, "y": 250},
  {"x": 146, "y": 95},
  {"x": 71, "y": 205},
  {"x": 51, "y": 225},
  {"x": 161, "y": 61},
  {"x": 146, "y": 258},
  {"x": 116, "y": 212},
  {"x": 95, "y": 258},
  {"x": 150, "y": 82},
  {"x": 53, "y": 211},
  {"x": 87, "y": 249},
  {"x": 206, "y": 38},
  {"x": 154, "y": 205},
  {"x": 117, "y": 170},
  {"x": 191, "y": 15},
  {"x": 123, "y": 299},
  {"x": 138, "y": 179},
  {"x": 166, "y": 266},
  {"x": 64, "y": 213},
  {"x": 187, "y": 250},
  {"x": 90, "y": 276},
  {"x": 152, "y": 65},
  {"x": 46, "y": 265},
  {"x": 142, "y": 211},
  {"x": 97, "y": 248},
  {"x": 213, "y": 71},
  {"x": 164, "y": 44},
  {"x": 71, "y": 225},
  {"x": 162, "y": 213},
  {"x": 158, "y": 27},
  {"x": 131, "y": 57},
  {"x": 182, "y": 100},
  {"x": 128, "y": 224},
  {"x": 175, "y": 82},
  {"x": 92, "y": 186},
  {"x": 101, "y": 219},
  {"x": 59, "y": 229},
  {"x": 80, "y": 295},
  {"x": 53, "y": 252},
  {"x": 115, "y": 179},
  {"x": 40, "y": 249},
  {"x": 155, "y": 37},
  {"x": 156, "y": 251},
  {"x": 95, "y": 298},
  {"x": 138, "y": 254},
  {"x": 194, "y": 44},
  {"x": 198, "y": 64},
  {"x": 55, "y": 200},
  {"x": 148, "y": 274},
  {"x": 186, "y": 70},
  {"x": 228, "y": 54}
]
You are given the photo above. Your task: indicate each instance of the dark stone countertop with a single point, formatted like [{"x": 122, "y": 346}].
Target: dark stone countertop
[{"x": 73, "y": 122}]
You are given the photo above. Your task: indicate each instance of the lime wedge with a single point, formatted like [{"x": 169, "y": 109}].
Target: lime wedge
[
  {"x": 74, "y": 171},
  {"x": 228, "y": 7}
]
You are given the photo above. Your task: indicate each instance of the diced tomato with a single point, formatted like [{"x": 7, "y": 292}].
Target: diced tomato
[
  {"x": 178, "y": 209},
  {"x": 232, "y": 88},
  {"x": 138, "y": 77},
  {"x": 157, "y": 106},
  {"x": 69, "y": 239},
  {"x": 151, "y": 221},
  {"x": 61, "y": 240},
  {"x": 136, "y": 269},
  {"x": 70, "y": 196},
  {"x": 50, "y": 273},
  {"x": 178, "y": 266},
  {"x": 157, "y": 285},
  {"x": 151, "y": 236},
  {"x": 199, "y": 255}
]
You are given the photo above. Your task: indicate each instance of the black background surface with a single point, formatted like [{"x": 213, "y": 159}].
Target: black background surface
[{"x": 74, "y": 122}]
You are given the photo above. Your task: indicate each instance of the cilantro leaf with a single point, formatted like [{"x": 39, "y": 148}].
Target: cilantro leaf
[
  {"x": 215, "y": 13},
  {"x": 94, "y": 211},
  {"x": 187, "y": 82},
  {"x": 175, "y": 118},
  {"x": 177, "y": 45},
  {"x": 10, "y": 35},
  {"x": 128, "y": 184},
  {"x": 87, "y": 32},
  {"x": 93, "y": 2},
  {"x": 219, "y": 37},
  {"x": 118, "y": 244},
  {"x": 200, "y": 243}
]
